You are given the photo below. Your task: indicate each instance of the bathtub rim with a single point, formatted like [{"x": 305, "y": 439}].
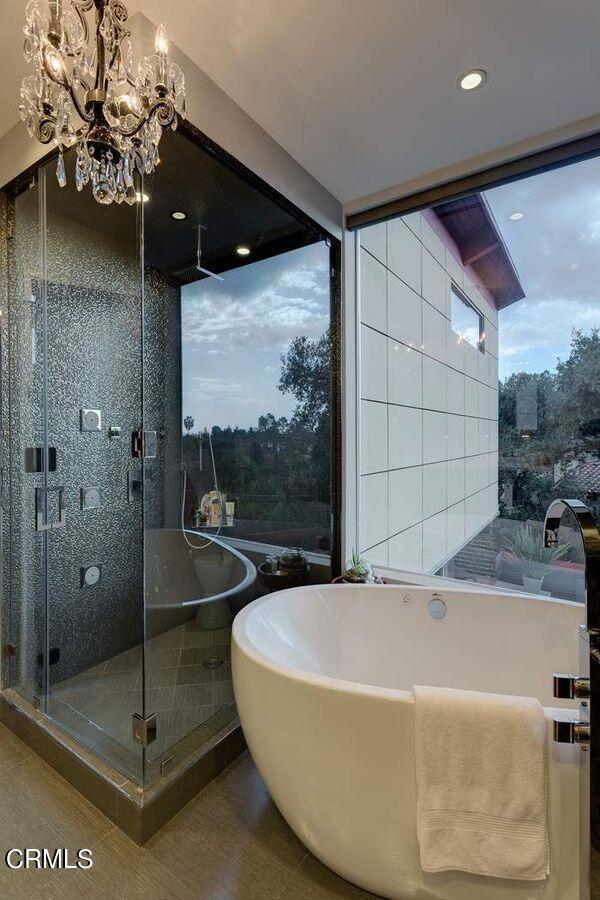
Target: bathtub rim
[
  {"x": 244, "y": 584},
  {"x": 241, "y": 641}
]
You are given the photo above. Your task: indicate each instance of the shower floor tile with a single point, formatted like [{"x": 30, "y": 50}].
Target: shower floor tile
[{"x": 183, "y": 692}]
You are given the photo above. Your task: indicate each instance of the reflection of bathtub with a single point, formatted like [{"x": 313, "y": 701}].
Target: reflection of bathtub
[
  {"x": 180, "y": 580},
  {"x": 322, "y": 679}
]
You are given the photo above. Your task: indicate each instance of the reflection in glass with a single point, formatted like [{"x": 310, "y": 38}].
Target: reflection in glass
[{"x": 466, "y": 321}]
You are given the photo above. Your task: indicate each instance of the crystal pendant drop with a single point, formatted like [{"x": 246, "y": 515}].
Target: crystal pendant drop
[
  {"x": 79, "y": 176},
  {"x": 61, "y": 174},
  {"x": 127, "y": 176}
]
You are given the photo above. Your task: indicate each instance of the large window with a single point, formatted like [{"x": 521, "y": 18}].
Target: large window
[
  {"x": 257, "y": 397},
  {"x": 480, "y": 382}
]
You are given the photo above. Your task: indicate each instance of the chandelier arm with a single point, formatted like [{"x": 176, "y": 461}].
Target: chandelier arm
[
  {"x": 86, "y": 115},
  {"x": 163, "y": 109},
  {"x": 45, "y": 129}
]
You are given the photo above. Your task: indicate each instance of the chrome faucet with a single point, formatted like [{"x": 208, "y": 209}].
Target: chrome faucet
[
  {"x": 591, "y": 548},
  {"x": 578, "y": 687},
  {"x": 584, "y": 687}
]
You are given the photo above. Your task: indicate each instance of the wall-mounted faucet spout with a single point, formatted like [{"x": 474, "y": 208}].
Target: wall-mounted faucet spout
[
  {"x": 584, "y": 687},
  {"x": 591, "y": 548}
]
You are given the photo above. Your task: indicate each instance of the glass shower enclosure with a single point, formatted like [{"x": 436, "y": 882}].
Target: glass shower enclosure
[{"x": 118, "y": 603}]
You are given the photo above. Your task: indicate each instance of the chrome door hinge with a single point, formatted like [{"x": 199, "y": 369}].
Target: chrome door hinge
[
  {"x": 144, "y": 729},
  {"x": 144, "y": 444}
]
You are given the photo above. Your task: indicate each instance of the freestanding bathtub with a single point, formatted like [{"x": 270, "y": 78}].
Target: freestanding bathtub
[{"x": 323, "y": 677}]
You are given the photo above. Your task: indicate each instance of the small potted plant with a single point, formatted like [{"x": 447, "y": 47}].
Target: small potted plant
[
  {"x": 535, "y": 559},
  {"x": 294, "y": 560},
  {"x": 358, "y": 571}
]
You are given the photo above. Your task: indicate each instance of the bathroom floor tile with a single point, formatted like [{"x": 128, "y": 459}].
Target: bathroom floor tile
[
  {"x": 12, "y": 749},
  {"x": 38, "y": 809},
  {"x": 237, "y": 832},
  {"x": 229, "y": 843},
  {"x": 314, "y": 881},
  {"x": 120, "y": 869}
]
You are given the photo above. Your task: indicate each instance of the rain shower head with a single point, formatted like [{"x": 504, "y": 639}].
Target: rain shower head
[
  {"x": 189, "y": 273},
  {"x": 199, "y": 267}
]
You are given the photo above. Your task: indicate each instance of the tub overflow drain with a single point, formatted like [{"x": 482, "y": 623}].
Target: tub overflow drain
[
  {"x": 212, "y": 662},
  {"x": 436, "y": 607}
]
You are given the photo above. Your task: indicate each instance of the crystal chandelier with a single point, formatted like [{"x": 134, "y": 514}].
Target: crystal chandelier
[{"x": 84, "y": 93}]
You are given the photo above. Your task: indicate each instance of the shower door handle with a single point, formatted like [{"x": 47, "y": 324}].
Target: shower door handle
[{"x": 41, "y": 508}]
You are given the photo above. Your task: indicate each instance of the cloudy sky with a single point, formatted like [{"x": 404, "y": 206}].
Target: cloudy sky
[
  {"x": 233, "y": 333},
  {"x": 556, "y": 250}
]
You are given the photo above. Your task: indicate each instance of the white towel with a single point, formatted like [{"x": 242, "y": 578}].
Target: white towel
[{"x": 482, "y": 792}]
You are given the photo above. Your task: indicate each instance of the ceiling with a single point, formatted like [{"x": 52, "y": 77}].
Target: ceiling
[
  {"x": 363, "y": 92},
  {"x": 229, "y": 210}
]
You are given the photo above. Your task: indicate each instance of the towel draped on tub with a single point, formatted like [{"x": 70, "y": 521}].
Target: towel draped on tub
[{"x": 482, "y": 783}]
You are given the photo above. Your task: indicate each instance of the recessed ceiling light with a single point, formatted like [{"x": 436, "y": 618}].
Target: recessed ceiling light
[
  {"x": 141, "y": 198},
  {"x": 242, "y": 250},
  {"x": 516, "y": 216},
  {"x": 473, "y": 79},
  {"x": 178, "y": 215}
]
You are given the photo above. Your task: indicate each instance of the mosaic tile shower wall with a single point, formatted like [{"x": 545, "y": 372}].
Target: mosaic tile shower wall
[{"x": 94, "y": 361}]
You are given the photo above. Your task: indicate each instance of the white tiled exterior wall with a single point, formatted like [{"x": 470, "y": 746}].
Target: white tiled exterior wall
[{"x": 429, "y": 402}]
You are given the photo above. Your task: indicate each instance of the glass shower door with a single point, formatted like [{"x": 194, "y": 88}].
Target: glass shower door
[
  {"x": 23, "y": 445},
  {"x": 89, "y": 511}
]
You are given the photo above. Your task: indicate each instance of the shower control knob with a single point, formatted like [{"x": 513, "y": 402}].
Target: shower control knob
[
  {"x": 570, "y": 687},
  {"x": 572, "y": 733}
]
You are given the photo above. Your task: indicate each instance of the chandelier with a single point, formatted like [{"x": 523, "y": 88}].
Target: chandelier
[{"x": 85, "y": 94}]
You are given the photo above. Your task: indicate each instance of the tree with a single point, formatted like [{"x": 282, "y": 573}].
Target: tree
[
  {"x": 578, "y": 382},
  {"x": 567, "y": 427},
  {"x": 305, "y": 373},
  {"x": 188, "y": 423},
  {"x": 270, "y": 423}
]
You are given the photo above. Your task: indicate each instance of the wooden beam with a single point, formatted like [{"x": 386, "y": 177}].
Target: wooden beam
[{"x": 476, "y": 250}]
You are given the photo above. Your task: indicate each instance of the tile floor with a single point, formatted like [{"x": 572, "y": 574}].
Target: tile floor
[
  {"x": 228, "y": 842},
  {"x": 179, "y": 687}
]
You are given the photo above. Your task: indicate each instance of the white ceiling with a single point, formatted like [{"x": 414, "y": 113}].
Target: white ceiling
[{"x": 363, "y": 92}]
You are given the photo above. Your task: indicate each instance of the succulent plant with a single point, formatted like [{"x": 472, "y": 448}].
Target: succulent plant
[{"x": 359, "y": 570}]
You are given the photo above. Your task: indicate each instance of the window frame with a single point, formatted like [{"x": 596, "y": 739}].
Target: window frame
[{"x": 455, "y": 290}]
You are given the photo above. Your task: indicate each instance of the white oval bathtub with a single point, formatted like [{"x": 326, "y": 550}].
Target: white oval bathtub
[{"x": 323, "y": 678}]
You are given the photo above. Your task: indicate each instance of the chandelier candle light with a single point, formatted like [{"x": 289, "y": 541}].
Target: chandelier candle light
[{"x": 83, "y": 93}]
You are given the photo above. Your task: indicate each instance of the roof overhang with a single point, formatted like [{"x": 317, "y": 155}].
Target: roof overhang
[{"x": 470, "y": 223}]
